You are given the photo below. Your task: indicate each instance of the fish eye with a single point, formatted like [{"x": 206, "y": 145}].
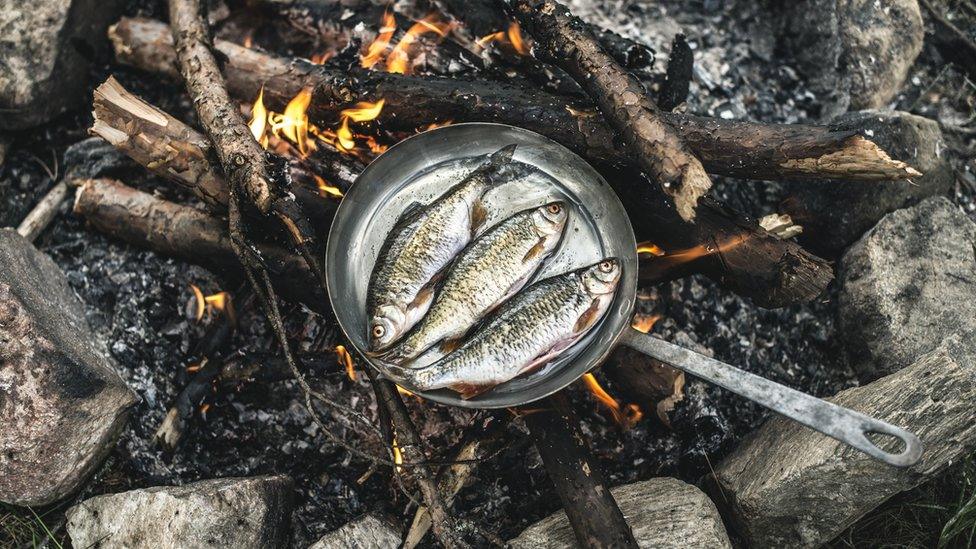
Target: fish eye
[
  {"x": 379, "y": 331},
  {"x": 554, "y": 208},
  {"x": 606, "y": 266}
]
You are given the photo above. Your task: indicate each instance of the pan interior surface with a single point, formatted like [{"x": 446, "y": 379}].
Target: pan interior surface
[{"x": 420, "y": 169}]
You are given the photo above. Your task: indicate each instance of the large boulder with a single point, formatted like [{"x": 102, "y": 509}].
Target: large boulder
[
  {"x": 662, "y": 512},
  {"x": 243, "y": 513},
  {"x": 45, "y": 48},
  {"x": 908, "y": 284},
  {"x": 61, "y": 402},
  {"x": 853, "y": 53},
  {"x": 789, "y": 486},
  {"x": 836, "y": 213},
  {"x": 368, "y": 532}
]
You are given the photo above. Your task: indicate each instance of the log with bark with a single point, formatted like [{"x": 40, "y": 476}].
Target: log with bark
[
  {"x": 725, "y": 147},
  {"x": 725, "y": 246},
  {"x": 592, "y": 511}
]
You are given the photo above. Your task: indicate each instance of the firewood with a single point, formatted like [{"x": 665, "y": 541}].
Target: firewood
[
  {"x": 186, "y": 233},
  {"x": 43, "y": 213},
  {"x": 725, "y": 147},
  {"x": 658, "y": 149},
  {"x": 681, "y": 64},
  {"x": 723, "y": 245},
  {"x": 592, "y": 511}
]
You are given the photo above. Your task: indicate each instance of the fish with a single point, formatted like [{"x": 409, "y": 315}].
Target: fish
[
  {"x": 488, "y": 272},
  {"x": 527, "y": 332},
  {"x": 422, "y": 242}
]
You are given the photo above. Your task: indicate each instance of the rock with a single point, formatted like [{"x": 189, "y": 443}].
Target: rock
[
  {"x": 853, "y": 52},
  {"x": 662, "y": 512},
  {"x": 905, "y": 286},
  {"x": 228, "y": 512},
  {"x": 789, "y": 486},
  {"x": 62, "y": 403},
  {"x": 368, "y": 532},
  {"x": 45, "y": 49},
  {"x": 834, "y": 214}
]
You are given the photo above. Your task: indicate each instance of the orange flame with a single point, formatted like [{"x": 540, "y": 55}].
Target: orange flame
[
  {"x": 435, "y": 125},
  {"x": 399, "y": 60},
  {"x": 346, "y": 359},
  {"x": 364, "y": 111},
  {"x": 376, "y": 49},
  {"x": 650, "y": 248},
  {"x": 626, "y": 417},
  {"x": 220, "y": 301},
  {"x": 512, "y": 37},
  {"x": 293, "y": 123},
  {"x": 325, "y": 189},
  {"x": 321, "y": 58},
  {"x": 259, "y": 120},
  {"x": 403, "y": 391},
  {"x": 644, "y": 323},
  {"x": 397, "y": 456},
  {"x": 344, "y": 140},
  {"x": 201, "y": 304}
]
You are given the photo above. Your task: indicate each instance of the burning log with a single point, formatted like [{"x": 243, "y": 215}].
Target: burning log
[
  {"x": 180, "y": 154},
  {"x": 726, "y": 147},
  {"x": 592, "y": 511},
  {"x": 681, "y": 63},
  {"x": 179, "y": 231},
  {"x": 660, "y": 152},
  {"x": 727, "y": 247}
]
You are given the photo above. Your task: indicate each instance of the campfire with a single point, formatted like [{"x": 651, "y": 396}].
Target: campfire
[{"x": 200, "y": 238}]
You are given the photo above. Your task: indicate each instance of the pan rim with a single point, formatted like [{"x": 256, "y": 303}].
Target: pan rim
[{"x": 607, "y": 333}]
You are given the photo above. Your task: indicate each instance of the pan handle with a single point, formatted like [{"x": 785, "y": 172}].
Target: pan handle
[{"x": 835, "y": 421}]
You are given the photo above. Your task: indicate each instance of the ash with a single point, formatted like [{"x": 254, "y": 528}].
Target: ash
[{"x": 138, "y": 303}]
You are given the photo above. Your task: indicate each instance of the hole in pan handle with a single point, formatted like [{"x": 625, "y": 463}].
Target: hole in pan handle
[{"x": 835, "y": 421}]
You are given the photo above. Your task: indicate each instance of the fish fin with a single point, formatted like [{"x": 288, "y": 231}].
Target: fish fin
[
  {"x": 418, "y": 307},
  {"x": 409, "y": 211},
  {"x": 588, "y": 318},
  {"x": 546, "y": 356},
  {"x": 468, "y": 391},
  {"x": 450, "y": 345},
  {"x": 502, "y": 155},
  {"x": 478, "y": 216},
  {"x": 535, "y": 251}
]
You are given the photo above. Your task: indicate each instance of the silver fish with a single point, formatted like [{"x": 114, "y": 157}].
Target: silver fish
[
  {"x": 489, "y": 271},
  {"x": 526, "y": 333},
  {"x": 423, "y": 241}
]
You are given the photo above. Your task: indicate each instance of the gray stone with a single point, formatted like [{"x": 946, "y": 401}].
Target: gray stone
[
  {"x": 45, "y": 47},
  {"x": 853, "y": 52},
  {"x": 242, "y": 513},
  {"x": 662, "y": 512},
  {"x": 62, "y": 403},
  {"x": 789, "y": 486},
  {"x": 368, "y": 532},
  {"x": 905, "y": 286},
  {"x": 834, "y": 214}
]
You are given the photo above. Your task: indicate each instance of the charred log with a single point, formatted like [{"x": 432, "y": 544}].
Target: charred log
[
  {"x": 726, "y": 147},
  {"x": 681, "y": 63},
  {"x": 186, "y": 233},
  {"x": 592, "y": 511}
]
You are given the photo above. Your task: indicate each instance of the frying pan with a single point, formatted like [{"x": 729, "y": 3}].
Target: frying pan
[{"x": 422, "y": 167}]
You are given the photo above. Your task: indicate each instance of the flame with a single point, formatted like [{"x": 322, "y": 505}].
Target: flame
[
  {"x": 650, "y": 248},
  {"x": 344, "y": 140},
  {"x": 249, "y": 38},
  {"x": 435, "y": 125},
  {"x": 364, "y": 111},
  {"x": 204, "y": 407},
  {"x": 201, "y": 304},
  {"x": 626, "y": 417},
  {"x": 293, "y": 123},
  {"x": 397, "y": 456},
  {"x": 644, "y": 323},
  {"x": 321, "y": 58},
  {"x": 346, "y": 359},
  {"x": 376, "y": 49},
  {"x": 325, "y": 189},
  {"x": 403, "y": 391},
  {"x": 512, "y": 37},
  {"x": 191, "y": 368},
  {"x": 259, "y": 120},
  {"x": 399, "y": 60},
  {"x": 220, "y": 301},
  {"x": 515, "y": 39}
]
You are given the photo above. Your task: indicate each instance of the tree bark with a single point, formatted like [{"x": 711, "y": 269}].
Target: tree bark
[
  {"x": 189, "y": 234},
  {"x": 658, "y": 149},
  {"x": 592, "y": 511},
  {"x": 726, "y": 147}
]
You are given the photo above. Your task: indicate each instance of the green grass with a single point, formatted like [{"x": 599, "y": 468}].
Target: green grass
[
  {"x": 939, "y": 514},
  {"x": 22, "y": 527}
]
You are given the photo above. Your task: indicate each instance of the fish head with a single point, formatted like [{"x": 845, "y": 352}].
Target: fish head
[
  {"x": 550, "y": 219},
  {"x": 385, "y": 326},
  {"x": 601, "y": 278}
]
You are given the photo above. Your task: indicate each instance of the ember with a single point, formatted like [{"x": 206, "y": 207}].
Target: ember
[{"x": 625, "y": 416}]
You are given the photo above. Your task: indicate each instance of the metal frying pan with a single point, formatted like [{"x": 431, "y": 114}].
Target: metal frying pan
[{"x": 422, "y": 167}]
